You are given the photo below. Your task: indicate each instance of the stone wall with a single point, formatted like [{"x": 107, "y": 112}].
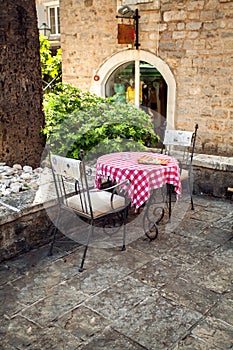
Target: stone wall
[
  {"x": 21, "y": 116},
  {"x": 193, "y": 37},
  {"x": 28, "y": 231},
  {"x": 212, "y": 182},
  {"x": 213, "y": 175},
  {"x": 88, "y": 37}
]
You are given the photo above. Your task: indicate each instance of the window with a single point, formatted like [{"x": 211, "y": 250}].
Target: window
[{"x": 54, "y": 20}]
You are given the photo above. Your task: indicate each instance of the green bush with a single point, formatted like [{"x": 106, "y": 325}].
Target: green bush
[
  {"x": 50, "y": 64},
  {"x": 80, "y": 120}
]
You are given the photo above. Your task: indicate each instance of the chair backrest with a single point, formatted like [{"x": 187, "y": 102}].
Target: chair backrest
[
  {"x": 180, "y": 144},
  {"x": 66, "y": 167}
]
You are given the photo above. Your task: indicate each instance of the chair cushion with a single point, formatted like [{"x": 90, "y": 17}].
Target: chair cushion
[{"x": 100, "y": 202}]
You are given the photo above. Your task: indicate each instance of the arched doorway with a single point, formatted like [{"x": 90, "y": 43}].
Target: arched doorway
[
  {"x": 152, "y": 87},
  {"x": 120, "y": 64}
]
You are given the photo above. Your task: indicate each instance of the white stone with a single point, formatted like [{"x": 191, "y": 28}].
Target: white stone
[
  {"x": 2, "y": 187},
  {"x": 17, "y": 166},
  {"x": 34, "y": 185},
  {"x": 15, "y": 178},
  {"x": 16, "y": 183},
  {"x": 5, "y": 177},
  {"x": 27, "y": 169},
  {"x": 26, "y": 176},
  {"x": 6, "y": 167},
  {"x": 7, "y": 192},
  {"x": 5, "y": 182},
  {"x": 10, "y": 172},
  {"x": 15, "y": 188},
  {"x": 38, "y": 170}
]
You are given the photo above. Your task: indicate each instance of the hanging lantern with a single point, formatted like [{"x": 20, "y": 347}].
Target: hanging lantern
[{"x": 45, "y": 30}]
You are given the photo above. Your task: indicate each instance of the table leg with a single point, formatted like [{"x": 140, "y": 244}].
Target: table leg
[{"x": 152, "y": 216}]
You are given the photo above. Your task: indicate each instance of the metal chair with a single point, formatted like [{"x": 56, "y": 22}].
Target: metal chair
[
  {"x": 181, "y": 145},
  {"x": 93, "y": 206}
]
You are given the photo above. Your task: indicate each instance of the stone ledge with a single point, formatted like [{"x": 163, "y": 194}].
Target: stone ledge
[
  {"x": 213, "y": 162},
  {"x": 207, "y": 161},
  {"x": 21, "y": 204}
]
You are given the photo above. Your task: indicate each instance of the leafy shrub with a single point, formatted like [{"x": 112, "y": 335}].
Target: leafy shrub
[
  {"x": 50, "y": 64},
  {"x": 80, "y": 120}
]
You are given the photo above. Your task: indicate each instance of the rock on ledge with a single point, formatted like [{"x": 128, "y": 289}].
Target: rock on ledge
[{"x": 17, "y": 178}]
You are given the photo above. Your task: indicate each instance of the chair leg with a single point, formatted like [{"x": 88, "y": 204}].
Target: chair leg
[
  {"x": 124, "y": 228},
  {"x": 54, "y": 230},
  {"x": 86, "y": 247},
  {"x": 192, "y": 205},
  {"x": 83, "y": 259},
  {"x": 50, "y": 253},
  {"x": 191, "y": 194},
  {"x": 170, "y": 201}
]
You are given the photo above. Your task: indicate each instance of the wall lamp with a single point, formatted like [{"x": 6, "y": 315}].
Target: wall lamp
[
  {"x": 45, "y": 30},
  {"x": 126, "y": 12}
]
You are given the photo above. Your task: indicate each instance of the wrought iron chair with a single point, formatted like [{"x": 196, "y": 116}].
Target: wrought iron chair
[
  {"x": 181, "y": 145},
  {"x": 93, "y": 206}
]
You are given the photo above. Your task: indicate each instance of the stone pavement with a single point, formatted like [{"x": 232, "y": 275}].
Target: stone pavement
[{"x": 173, "y": 293}]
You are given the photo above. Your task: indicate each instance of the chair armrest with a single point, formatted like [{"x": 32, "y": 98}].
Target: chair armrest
[
  {"x": 114, "y": 187},
  {"x": 122, "y": 187},
  {"x": 119, "y": 184}
]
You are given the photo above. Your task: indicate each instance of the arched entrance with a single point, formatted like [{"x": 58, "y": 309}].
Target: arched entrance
[{"x": 123, "y": 59}]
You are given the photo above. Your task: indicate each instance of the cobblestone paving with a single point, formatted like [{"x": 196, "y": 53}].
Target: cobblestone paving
[{"x": 174, "y": 293}]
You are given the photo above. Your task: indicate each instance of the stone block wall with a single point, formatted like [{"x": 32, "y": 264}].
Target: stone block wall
[
  {"x": 212, "y": 182},
  {"x": 213, "y": 175},
  {"x": 28, "y": 231},
  {"x": 87, "y": 38},
  {"x": 193, "y": 37},
  {"x": 21, "y": 116}
]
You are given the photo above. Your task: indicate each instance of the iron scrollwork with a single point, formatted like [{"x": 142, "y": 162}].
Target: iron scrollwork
[{"x": 153, "y": 214}]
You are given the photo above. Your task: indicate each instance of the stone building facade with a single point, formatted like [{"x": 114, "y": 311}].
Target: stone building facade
[
  {"x": 48, "y": 15},
  {"x": 190, "y": 44},
  {"x": 21, "y": 116}
]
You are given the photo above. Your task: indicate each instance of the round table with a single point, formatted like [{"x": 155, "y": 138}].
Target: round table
[{"x": 144, "y": 178}]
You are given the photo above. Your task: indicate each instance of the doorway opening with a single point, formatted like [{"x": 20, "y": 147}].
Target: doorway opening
[
  {"x": 139, "y": 66},
  {"x": 151, "y": 93}
]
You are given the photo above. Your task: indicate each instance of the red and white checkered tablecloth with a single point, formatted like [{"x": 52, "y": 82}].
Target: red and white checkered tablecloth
[{"x": 143, "y": 178}]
